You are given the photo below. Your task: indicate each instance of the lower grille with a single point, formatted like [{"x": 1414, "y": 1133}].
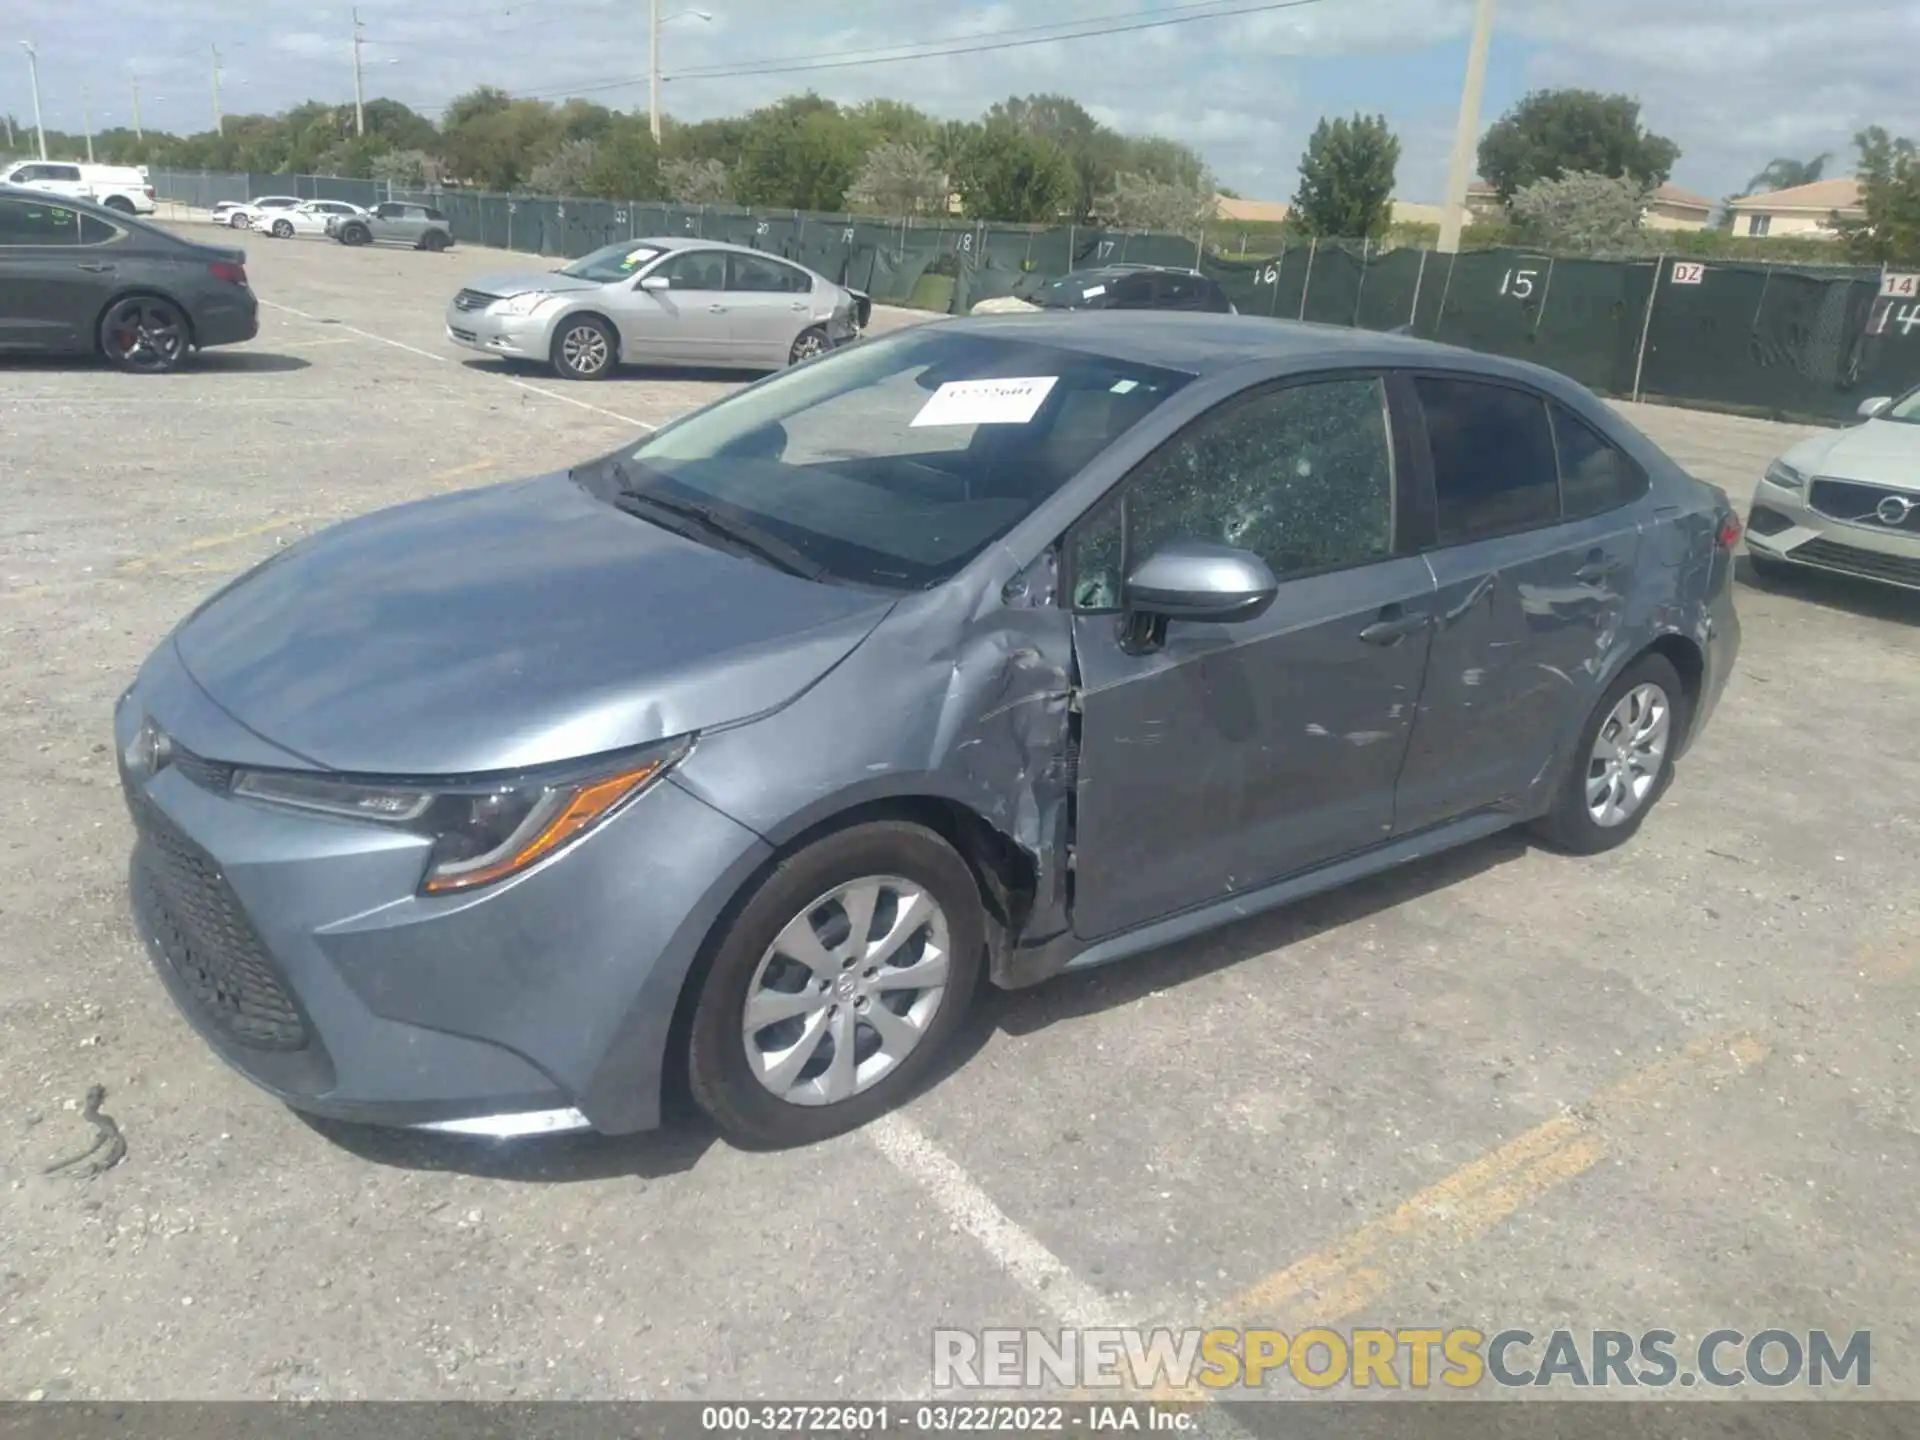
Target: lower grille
[
  {"x": 1828, "y": 554},
  {"x": 1766, "y": 521},
  {"x": 199, "y": 927},
  {"x": 1844, "y": 500},
  {"x": 459, "y": 334}
]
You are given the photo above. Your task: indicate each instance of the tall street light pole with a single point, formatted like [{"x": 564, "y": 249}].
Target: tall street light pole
[
  {"x": 33, "y": 70},
  {"x": 654, "y": 21},
  {"x": 1467, "y": 132},
  {"x": 359, "y": 96},
  {"x": 138, "y": 134},
  {"x": 219, "y": 124}
]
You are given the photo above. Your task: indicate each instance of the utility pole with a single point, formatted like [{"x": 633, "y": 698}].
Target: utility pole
[
  {"x": 33, "y": 70},
  {"x": 219, "y": 125},
  {"x": 86, "y": 117},
  {"x": 1460, "y": 174},
  {"x": 359, "y": 98},
  {"x": 138, "y": 134},
  {"x": 653, "y": 68}
]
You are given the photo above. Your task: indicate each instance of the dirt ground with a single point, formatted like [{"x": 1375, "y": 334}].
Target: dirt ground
[{"x": 1671, "y": 1087}]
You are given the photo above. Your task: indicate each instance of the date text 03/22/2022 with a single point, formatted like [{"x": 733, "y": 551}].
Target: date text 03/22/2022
[{"x": 947, "y": 1419}]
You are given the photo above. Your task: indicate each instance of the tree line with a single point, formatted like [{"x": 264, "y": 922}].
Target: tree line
[{"x": 1573, "y": 169}]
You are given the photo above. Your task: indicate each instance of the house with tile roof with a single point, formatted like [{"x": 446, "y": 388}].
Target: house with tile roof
[{"x": 1806, "y": 210}]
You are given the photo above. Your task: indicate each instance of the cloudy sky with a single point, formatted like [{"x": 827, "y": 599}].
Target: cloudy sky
[{"x": 1735, "y": 83}]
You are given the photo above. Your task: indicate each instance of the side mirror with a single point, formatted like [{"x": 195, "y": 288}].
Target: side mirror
[
  {"x": 1195, "y": 580},
  {"x": 656, "y": 283},
  {"x": 1873, "y": 409}
]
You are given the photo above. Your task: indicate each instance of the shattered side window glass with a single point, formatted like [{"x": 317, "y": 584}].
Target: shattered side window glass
[
  {"x": 1097, "y": 560},
  {"x": 1302, "y": 476}
]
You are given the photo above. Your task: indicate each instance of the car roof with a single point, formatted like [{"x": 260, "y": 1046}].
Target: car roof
[
  {"x": 1206, "y": 344},
  {"x": 694, "y": 242}
]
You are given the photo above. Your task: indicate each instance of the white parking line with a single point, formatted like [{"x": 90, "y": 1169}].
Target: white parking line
[
  {"x": 1028, "y": 1262},
  {"x": 442, "y": 359}
]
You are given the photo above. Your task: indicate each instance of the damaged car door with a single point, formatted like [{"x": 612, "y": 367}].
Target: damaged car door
[{"x": 1218, "y": 754}]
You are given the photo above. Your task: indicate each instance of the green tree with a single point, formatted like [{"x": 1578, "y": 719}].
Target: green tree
[
  {"x": 1346, "y": 179},
  {"x": 1787, "y": 174},
  {"x": 566, "y": 171},
  {"x": 402, "y": 127},
  {"x": 900, "y": 179},
  {"x": 1140, "y": 202},
  {"x": 882, "y": 122},
  {"x": 626, "y": 162},
  {"x": 1889, "y": 174},
  {"x": 1006, "y": 174},
  {"x": 1093, "y": 153},
  {"x": 1553, "y": 132},
  {"x": 720, "y": 140},
  {"x": 697, "y": 182},
  {"x": 493, "y": 141},
  {"x": 1581, "y": 212},
  {"x": 801, "y": 152}
]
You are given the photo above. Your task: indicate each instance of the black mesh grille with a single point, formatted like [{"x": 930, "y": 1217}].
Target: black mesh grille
[
  {"x": 1844, "y": 500},
  {"x": 197, "y": 923},
  {"x": 1870, "y": 563},
  {"x": 207, "y": 774},
  {"x": 473, "y": 300}
]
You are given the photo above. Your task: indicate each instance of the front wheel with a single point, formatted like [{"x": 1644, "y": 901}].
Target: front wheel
[
  {"x": 1624, "y": 761},
  {"x": 810, "y": 343},
  {"x": 583, "y": 349},
  {"x": 144, "y": 334},
  {"x": 237, "y": 221},
  {"x": 834, "y": 990},
  {"x": 283, "y": 229},
  {"x": 355, "y": 235}
]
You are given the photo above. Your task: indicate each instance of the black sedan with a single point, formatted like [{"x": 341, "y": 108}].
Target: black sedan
[
  {"x": 1115, "y": 287},
  {"x": 78, "y": 279}
]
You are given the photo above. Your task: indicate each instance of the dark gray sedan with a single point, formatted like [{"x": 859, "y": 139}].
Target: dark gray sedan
[
  {"x": 78, "y": 279},
  {"x": 993, "y": 648}
]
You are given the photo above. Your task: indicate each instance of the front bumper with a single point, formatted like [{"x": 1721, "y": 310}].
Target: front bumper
[
  {"x": 300, "y": 950},
  {"x": 515, "y": 337},
  {"x": 1785, "y": 525}
]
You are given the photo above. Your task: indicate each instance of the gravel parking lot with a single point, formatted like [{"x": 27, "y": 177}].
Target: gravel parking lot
[{"x": 1672, "y": 1087}]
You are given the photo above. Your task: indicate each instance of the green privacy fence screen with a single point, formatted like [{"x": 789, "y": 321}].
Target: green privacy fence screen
[{"x": 1782, "y": 340}]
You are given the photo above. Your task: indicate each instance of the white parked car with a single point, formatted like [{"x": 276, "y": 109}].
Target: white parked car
[
  {"x": 242, "y": 214},
  {"x": 309, "y": 217},
  {"x": 1846, "y": 501},
  {"x": 118, "y": 187}
]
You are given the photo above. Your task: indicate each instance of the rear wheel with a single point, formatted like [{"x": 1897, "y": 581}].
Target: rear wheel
[
  {"x": 1624, "y": 761},
  {"x": 583, "y": 349},
  {"x": 144, "y": 334},
  {"x": 434, "y": 241},
  {"x": 834, "y": 990},
  {"x": 119, "y": 203},
  {"x": 809, "y": 343}
]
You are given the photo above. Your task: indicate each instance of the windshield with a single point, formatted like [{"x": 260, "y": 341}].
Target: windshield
[
  {"x": 896, "y": 461},
  {"x": 614, "y": 262},
  {"x": 1083, "y": 290},
  {"x": 1906, "y": 409}
]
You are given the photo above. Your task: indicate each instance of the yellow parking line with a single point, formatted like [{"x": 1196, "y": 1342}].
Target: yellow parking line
[
  {"x": 1340, "y": 1281},
  {"x": 209, "y": 542}
]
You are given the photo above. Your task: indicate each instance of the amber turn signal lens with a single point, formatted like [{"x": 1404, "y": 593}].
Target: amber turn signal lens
[{"x": 561, "y": 816}]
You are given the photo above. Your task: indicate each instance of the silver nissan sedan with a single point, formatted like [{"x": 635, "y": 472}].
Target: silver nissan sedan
[
  {"x": 672, "y": 301},
  {"x": 985, "y": 651}
]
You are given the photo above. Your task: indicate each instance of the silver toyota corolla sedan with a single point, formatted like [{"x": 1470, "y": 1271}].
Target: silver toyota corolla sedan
[
  {"x": 674, "y": 301},
  {"x": 1847, "y": 501},
  {"x": 989, "y": 649}
]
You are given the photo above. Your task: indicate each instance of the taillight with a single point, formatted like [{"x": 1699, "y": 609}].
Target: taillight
[
  {"x": 150, "y": 194},
  {"x": 226, "y": 270},
  {"x": 1730, "y": 531}
]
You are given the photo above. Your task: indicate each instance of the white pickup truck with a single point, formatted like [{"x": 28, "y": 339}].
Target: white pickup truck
[{"x": 118, "y": 187}]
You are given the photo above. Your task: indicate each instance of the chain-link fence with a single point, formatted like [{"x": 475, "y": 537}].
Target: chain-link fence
[{"x": 1788, "y": 341}]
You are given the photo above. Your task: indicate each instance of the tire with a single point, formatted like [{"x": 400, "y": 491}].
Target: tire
[
  {"x": 238, "y": 221},
  {"x": 119, "y": 204},
  {"x": 809, "y": 344},
  {"x": 900, "y": 865},
  {"x": 1650, "y": 687},
  {"x": 584, "y": 348},
  {"x": 144, "y": 334},
  {"x": 433, "y": 242},
  {"x": 355, "y": 235},
  {"x": 283, "y": 229}
]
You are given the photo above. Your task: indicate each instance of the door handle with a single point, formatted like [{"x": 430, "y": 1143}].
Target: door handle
[
  {"x": 98, "y": 269},
  {"x": 716, "y": 309},
  {"x": 1395, "y": 625},
  {"x": 1597, "y": 568}
]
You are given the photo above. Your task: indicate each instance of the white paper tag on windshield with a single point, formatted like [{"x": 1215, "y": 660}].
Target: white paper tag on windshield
[
  {"x": 1093, "y": 292},
  {"x": 1011, "y": 401}
]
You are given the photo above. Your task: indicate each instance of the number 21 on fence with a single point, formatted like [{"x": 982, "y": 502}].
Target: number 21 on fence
[{"x": 1519, "y": 283}]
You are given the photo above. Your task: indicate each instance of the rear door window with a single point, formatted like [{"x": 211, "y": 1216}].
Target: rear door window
[
  {"x": 1495, "y": 471},
  {"x": 1595, "y": 475},
  {"x": 26, "y": 222}
]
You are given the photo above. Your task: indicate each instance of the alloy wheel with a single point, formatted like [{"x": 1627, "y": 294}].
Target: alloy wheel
[
  {"x": 810, "y": 344},
  {"x": 846, "y": 991},
  {"x": 1628, "y": 755},
  {"x": 143, "y": 334},
  {"x": 585, "y": 349}
]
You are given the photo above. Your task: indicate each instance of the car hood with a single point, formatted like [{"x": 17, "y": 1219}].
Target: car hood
[
  {"x": 519, "y": 282},
  {"x": 506, "y": 627},
  {"x": 1880, "y": 452}
]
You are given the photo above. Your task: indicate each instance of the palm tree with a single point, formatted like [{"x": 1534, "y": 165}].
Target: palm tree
[{"x": 1785, "y": 174}]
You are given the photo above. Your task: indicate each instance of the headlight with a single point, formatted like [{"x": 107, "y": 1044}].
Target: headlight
[
  {"x": 523, "y": 304},
  {"x": 148, "y": 752},
  {"x": 483, "y": 831},
  {"x": 1785, "y": 476}
]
